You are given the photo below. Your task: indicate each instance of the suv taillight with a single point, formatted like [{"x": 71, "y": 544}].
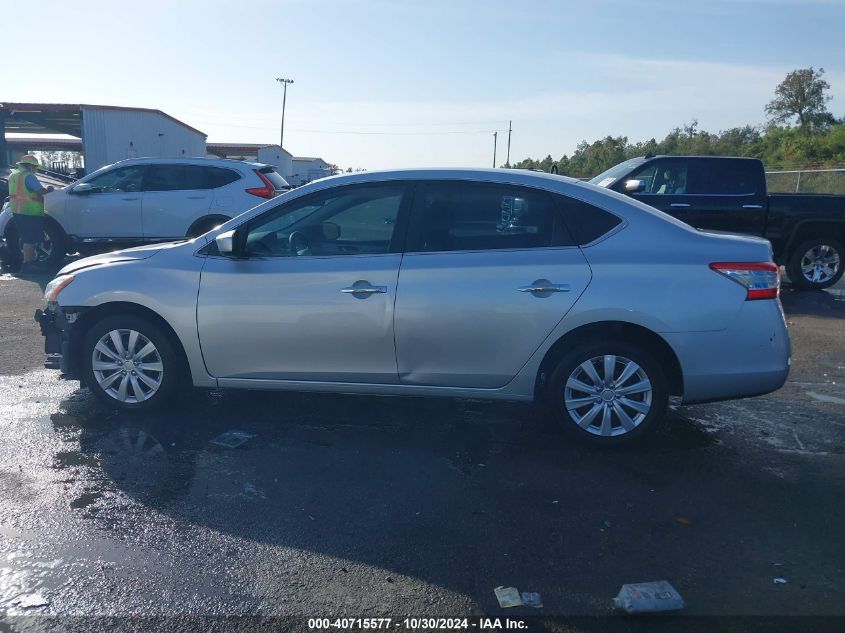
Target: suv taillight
[
  {"x": 760, "y": 279},
  {"x": 267, "y": 191}
]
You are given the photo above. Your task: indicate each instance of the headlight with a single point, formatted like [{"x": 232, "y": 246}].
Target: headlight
[{"x": 51, "y": 292}]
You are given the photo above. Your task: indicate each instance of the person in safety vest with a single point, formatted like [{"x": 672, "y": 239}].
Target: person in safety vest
[{"x": 26, "y": 197}]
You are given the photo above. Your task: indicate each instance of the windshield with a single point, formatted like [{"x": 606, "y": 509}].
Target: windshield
[{"x": 607, "y": 178}]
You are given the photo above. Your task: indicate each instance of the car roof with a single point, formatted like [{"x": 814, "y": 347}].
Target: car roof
[
  {"x": 199, "y": 160},
  {"x": 488, "y": 174}
]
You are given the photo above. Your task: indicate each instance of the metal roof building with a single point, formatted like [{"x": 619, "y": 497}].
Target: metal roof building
[{"x": 107, "y": 133}]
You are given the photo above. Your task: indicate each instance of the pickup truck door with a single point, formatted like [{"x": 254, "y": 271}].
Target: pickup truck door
[{"x": 712, "y": 193}]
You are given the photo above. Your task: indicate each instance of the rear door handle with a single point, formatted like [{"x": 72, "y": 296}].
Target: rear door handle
[
  {"x": 368, "y": 290},
  {"x": 535, "y": 287},
  {"x": 680, "y": 205}
]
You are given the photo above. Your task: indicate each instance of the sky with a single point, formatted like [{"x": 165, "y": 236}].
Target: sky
[{"x": 393, "y": 83}]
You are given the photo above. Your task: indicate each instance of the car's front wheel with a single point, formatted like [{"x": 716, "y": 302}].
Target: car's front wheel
[
  {"x": 129, "y": 363},
  {"x": 608, "y": 393}
]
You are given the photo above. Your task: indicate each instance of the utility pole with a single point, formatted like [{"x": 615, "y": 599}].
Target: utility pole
[
  {"x": 495, "y": 134},
  {"x": 284, "y": 83},
  {"x": 508, "y": 161}
]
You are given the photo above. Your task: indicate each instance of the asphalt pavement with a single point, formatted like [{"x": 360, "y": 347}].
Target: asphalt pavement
[{"x": 358, "y": 506}]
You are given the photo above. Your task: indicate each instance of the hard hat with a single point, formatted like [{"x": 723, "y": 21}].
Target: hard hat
[{"x": 28, "y": 159}]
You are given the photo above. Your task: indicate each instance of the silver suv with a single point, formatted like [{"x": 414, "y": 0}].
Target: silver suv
[{"x": 490, "y": 284}]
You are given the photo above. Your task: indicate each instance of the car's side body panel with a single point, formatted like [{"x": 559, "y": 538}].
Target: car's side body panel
[{"x": 651, "y": 271}]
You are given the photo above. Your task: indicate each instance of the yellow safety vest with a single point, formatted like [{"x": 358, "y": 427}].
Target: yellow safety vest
[{"x": 23, "y": 200}]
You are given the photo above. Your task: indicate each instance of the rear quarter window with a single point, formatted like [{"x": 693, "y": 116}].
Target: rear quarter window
[{"x": 586, "y": 222}]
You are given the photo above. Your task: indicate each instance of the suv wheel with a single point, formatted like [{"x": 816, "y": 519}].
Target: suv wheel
[
  {"x": 816, "y": 264},
  {"x": 129, "y": 363},
  {"x": 49, "y": 252},
  {"x": 609, "y": 393}
]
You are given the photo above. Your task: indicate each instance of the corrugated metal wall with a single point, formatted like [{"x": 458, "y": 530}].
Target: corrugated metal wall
[
  {"x": 112, "y": 135},
  {"x": 272, "y": 155}
]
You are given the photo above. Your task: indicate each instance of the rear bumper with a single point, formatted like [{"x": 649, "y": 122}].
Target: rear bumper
[{"x": 752, "y": 357}]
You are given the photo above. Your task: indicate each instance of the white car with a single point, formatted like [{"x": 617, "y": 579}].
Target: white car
[{"x": 145, "y": 200}]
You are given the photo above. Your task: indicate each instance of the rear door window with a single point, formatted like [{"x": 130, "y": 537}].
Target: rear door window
[
  {"x": 724, "y": 177},
  {"x": 471, "y": 216},
  {"x": 175, "y": 177},
  {"x": 216, "y": 177}
]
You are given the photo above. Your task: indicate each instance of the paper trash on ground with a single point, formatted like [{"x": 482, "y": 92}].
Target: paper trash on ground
[
  {"x": 232, "y": 439},
  {"x": 508, "y": 597},
  {"x": 648, "y": 597}
]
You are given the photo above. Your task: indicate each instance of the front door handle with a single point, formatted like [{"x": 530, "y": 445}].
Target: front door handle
[
  {"x": 752, "y": 206},
  {"x": 544, "y": 287},
  {"x": 197, "y": 197},
  {"x": 366, "y": 290},
  {"x": 680, "y": 205},
  {"x": 129, "y": 199}
]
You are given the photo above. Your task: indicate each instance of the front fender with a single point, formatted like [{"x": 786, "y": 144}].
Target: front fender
[{"x": 166, "y": 285}]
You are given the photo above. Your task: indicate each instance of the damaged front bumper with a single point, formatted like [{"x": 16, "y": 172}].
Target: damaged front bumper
[{"x": 56, "y": 327}]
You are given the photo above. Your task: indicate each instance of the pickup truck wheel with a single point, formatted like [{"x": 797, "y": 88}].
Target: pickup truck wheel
[
  {"x": 816, "y": 264},
  {"x": 608, "y": 393},
  {"x": 129, "y": 363}
]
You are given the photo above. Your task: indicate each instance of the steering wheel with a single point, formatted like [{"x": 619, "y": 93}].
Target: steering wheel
[{"x": 298, "y": 244}]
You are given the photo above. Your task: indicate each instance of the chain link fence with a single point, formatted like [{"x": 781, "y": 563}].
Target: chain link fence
[{"x": 806, "y": 181}]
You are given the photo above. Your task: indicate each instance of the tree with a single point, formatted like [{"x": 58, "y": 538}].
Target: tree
[{"x": 802, "y": 94}]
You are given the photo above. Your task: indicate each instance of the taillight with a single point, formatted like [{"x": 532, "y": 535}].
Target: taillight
[
  {"x": 760, "y": 279},
  {"x": 267, "y": 191}
]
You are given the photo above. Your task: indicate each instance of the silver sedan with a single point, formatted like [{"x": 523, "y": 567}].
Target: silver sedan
[{"x": 495, "y": 284}]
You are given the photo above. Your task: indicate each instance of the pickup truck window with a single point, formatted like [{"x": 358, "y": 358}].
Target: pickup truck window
[
  {"x": 665, "y": 177},
  {"x": 607, "y": 178},
  {"x": 724, "y": 177}
]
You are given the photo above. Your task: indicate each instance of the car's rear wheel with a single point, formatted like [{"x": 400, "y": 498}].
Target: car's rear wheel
[
  {"x": 608, "y": 393},
  {"x": 129, "y": 363},
  {"x": 816, "y": 264}
]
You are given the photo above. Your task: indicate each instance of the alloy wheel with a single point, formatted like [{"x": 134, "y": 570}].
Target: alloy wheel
[
  {"x": 608, "y": 395},
  {"x": 43, "y": 249},
  {"x": 127, "y": 366},
  {"x": 820, "y": 264}
]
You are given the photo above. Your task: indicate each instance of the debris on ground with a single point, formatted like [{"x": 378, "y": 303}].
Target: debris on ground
[
  {"x": 31, "y": 601},
  {"x": 780, "y": 581},
  {"x": 532, "y": 599},
  {"x": 648, "y": 597},
  {"x": 508, "y": 597},
  {"x": 232, "y": 439},
  {"x": 683, "y": 520}
]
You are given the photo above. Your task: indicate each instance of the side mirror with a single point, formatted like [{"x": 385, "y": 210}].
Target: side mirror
[
  {"x": 82, "y": 188},
  {"x": 226, "y": 243},
  {"x": 331, "y": 231},
  {"x": 634, "y": 186}
]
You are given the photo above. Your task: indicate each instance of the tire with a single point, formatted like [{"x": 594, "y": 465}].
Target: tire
[
  {"x": 158, "y": 374},
  {"x": 50, "y": 251},
  {"x": 816, "y": 264},
  {"x": 563, "y": 395}
]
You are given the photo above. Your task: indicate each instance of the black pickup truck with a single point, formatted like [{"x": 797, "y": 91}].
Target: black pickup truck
[{"x": 728, "y": 194}]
